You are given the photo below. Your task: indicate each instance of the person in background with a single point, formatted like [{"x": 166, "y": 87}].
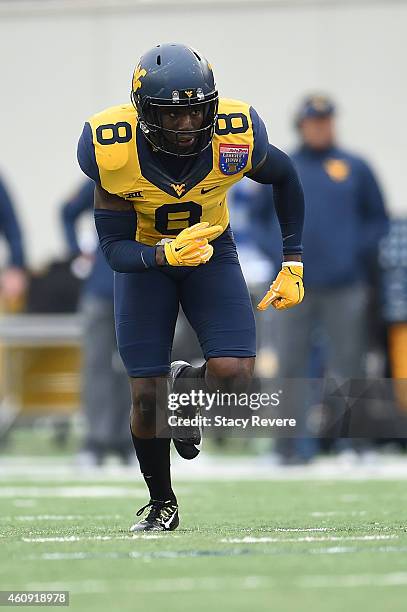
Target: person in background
[
  {"x": 13, "y": 280},
  {"x": 106, "y": 393},
  {"x": 345, "y": 219}
]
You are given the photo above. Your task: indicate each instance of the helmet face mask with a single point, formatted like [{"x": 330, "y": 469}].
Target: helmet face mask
[
  {"x": 171, "y": 77},
  {"x": 168, "y": 140}
]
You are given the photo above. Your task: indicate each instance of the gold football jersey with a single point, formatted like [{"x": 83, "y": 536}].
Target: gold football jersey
[{"x": 129, "y": 167}]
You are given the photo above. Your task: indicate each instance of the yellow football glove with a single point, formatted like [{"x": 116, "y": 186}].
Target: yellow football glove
[
  {"x": 191, "y": 247},
  {"x": 287, "y": 290}
]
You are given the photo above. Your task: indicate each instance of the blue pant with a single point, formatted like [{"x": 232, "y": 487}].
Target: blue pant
[{"x": 213, "y": 296}]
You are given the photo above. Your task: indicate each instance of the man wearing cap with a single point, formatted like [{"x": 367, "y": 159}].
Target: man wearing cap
[{"x": 344, "y": 219}]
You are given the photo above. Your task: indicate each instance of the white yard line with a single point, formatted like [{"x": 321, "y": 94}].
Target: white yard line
[
  {"x": 245, "y": 540},
  {"x": 304, "y": 529},
  {"x": 99, "y": 538},
  {"x": 339, "y": 513}
]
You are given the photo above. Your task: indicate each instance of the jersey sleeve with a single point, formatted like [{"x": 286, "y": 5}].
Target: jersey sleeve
[
  {"x": 86, "y": 154},
  {"x": 278, "y": 170},
  {"x": 260, "y": 138}
]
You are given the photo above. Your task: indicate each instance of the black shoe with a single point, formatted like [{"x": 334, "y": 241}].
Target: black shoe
[
  {"x": 163, "y": 516},
  {"x": 187, "y": 447}
]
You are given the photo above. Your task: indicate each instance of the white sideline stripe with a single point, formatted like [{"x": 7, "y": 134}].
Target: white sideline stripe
[
  {"x": 74, "y": 538},
  {"x": 263, "y": 540},
  {"x": 339, "y": 513},
  {"x": 74, "y": 491},
  {"x": 60, "y": 517}
]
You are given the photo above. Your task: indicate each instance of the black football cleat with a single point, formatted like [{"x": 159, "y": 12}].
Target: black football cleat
[
  {"x": 162, "y": 516},
  {"x": 187, "y": 447}
]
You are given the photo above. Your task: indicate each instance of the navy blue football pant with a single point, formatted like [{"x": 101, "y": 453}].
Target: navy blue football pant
[{"x": 213, "y": 296}]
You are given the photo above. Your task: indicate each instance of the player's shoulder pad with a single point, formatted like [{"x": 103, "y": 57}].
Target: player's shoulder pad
[
  {"x": 113, "y": 133},
  {"x": 230, "y": 105},
  {"x": 256, "y": 131},
  {"x": 260, "y": 137}
]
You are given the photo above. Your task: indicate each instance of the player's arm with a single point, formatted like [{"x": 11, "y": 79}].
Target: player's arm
[
  {"x": 274, "y": 167},
  {"x": 278, "y": 170},
  {"x": 271, "y": 166},
  {"x": 116, "y": 224}
]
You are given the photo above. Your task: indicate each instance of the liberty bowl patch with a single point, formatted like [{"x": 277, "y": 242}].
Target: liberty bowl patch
[{"x": 233, "y": 158}]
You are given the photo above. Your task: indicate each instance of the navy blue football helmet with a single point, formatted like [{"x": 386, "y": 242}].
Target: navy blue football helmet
[{"x": 174, "y": 75}]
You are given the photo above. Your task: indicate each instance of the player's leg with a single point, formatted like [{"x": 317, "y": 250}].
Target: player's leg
[
  {"x": 216, "y": 302},
  {"x": 146, "y": 307}
]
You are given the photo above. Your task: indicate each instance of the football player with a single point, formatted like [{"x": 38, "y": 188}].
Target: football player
[{"x": 162, "y": 166}]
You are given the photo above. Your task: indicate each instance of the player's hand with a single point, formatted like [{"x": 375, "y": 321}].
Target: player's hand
[
  {"x": 191, "y": 246},
  {"x": 287, "y": 290}
]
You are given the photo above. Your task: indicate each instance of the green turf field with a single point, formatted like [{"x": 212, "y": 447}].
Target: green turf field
[{"x": 313, "y": 545}]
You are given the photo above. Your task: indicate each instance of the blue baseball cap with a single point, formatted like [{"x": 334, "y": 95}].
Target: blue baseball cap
[{"x": 315, "y": 106}]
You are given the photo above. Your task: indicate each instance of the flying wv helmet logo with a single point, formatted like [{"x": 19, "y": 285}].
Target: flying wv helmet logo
[
  {"x": 189, "y": 93},
  {"x": 179, "y": 189},
  {"x": 139, "y": 73}
]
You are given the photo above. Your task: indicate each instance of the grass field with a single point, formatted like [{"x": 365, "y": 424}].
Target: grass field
[{"x": 318, "y": 545}]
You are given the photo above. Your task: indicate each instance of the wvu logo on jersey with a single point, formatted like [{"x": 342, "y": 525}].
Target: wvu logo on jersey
[
  {"x": 139, "y": 73},
  {"x": 179, "y": 189},
  {"x": 189, "y": 93}
]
